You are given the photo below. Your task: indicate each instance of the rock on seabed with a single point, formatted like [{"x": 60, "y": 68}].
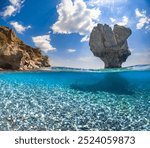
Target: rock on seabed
[
  {"x": 16, "y": 55},
  {"x": 110, "y": 45}
]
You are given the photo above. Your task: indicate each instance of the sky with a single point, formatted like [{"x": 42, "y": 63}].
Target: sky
[{"x": 61, "y": 28}]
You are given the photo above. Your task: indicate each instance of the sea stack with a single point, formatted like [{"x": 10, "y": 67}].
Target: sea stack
[
  {"x": 110, "y": 45},
  {"x": 16, "y": 55}
]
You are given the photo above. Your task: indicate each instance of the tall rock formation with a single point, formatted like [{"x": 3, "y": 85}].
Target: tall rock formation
[
  {"x": 110, "y": 45},
  {"x": 15, "y": 55}
]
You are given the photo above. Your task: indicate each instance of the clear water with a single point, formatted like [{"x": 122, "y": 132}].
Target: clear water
[{"x": 65, "y": 100}]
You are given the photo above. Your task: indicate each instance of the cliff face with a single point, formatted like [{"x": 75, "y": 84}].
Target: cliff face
[
  {"x": 110, "y": 45},
  {"x": 15, "y": 55}
]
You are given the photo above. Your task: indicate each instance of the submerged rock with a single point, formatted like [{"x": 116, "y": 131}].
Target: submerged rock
[
  {"x": 16, "y": 55},
  {"x": 110, "y": 45}
]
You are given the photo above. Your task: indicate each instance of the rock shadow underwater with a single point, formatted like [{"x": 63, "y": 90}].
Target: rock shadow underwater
[{"x": 111, "y": 83}]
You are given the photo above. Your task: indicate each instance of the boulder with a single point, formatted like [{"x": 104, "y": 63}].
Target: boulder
[
  {"x": 110, "y": 45},
  {"x": 16, "y": 55}
]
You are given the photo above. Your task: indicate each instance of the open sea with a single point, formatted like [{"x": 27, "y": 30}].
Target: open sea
[{"x": 84, "y": 100}]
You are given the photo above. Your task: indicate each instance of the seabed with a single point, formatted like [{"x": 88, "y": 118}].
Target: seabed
[{"x": 63, "y": 100}]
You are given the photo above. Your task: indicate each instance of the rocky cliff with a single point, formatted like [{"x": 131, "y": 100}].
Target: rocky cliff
[
  {"x": 110, "y": 45},
  {"x": 16, "y": 55}
]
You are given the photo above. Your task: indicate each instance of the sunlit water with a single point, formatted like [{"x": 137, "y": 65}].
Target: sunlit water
[{"x": 77, "y": 100}]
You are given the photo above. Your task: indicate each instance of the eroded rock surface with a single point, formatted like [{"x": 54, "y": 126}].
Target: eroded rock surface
[
  {"x": 16, "y": 55},
  {"x": 110, "y": 45}
]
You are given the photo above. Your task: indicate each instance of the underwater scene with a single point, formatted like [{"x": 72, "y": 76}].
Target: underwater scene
[{"x": 83, "y": 100}]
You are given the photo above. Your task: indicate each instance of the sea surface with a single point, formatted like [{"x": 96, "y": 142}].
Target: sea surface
[{"x": 75, "y": 99}]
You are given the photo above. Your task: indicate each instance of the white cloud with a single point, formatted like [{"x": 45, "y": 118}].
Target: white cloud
[
  {"x": 123, "y": 22},
  {"x": 19, "y": 28},
  {"x": 15, "y": 6},
  {"x": 141, "y": 23},
  {"x": 71, "y": 50},
  {"x": 85, "y": 38},
  {"x": 112, "y": 20},
  {"x": 140, "y": 13},
  {"x": 147, "y": 28},
  {"x": 43, "y": 42},
  {"x": 138, "y": 58},
  {"x": 144, "y": 20},
  {"x": 75, "y": 17},
  {"x": 15, "y": 2},
  {"x": 105, "y": 2},
  {"x": 9, "y": 11}
]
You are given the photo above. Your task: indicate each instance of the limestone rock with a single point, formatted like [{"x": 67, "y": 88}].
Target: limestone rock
[
  {"x": 110, "y": 45},
  {"x": 16, "y": 55}
]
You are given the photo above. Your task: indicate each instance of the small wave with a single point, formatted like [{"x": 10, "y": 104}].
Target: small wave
[
  {"x": 139, "y": 67},
  {"x": 69, "y": 69}
]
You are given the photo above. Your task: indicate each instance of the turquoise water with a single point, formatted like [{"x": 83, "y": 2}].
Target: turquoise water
[{"x": 75, "y": 100}]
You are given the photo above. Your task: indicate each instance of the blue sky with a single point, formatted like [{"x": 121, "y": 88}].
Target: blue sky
[{"x": 61, "y": 28}]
